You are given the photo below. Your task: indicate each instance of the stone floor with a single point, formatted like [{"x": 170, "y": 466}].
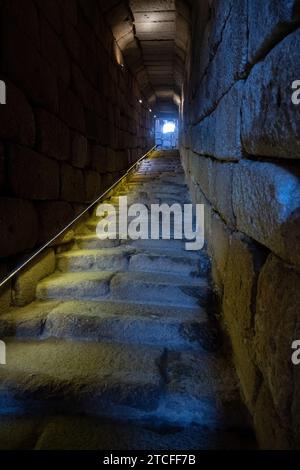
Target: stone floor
[{"x": 120, "y": 349}]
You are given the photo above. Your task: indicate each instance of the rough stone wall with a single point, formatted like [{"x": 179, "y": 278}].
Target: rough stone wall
[
  {"x": 72, "y": 123},
  {"x": 240, "y": 150}
]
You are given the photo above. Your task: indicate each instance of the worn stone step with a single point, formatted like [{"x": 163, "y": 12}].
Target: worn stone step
[
  {"x": 72, "y": 286},
  {"x": 127, "y": 322},
  {"x": 82, "y": 432},
  {"x": 125, "y": 258},
  {"x": 168, "y": 288},
  {"x": 75, "y": 376},
  {"x": 86, "y": 433},
  {"x": 160, "y": 288},
  {"x": 107, "y": 259},
  {"x": 92, "y": 242},
  {"x": 133, "y": 323}
]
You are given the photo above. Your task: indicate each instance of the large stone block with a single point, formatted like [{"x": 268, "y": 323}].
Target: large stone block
[
  {"x": 17, "y": 120},
  {"x": 200, "y": 171},
  {"x": 72, "y": 184},
  {"x": 277, "y": 326},
  {"x": 93, "y": 125},
  {"x": 71, "y": 109},
  {"x": 244, "y": 262},
  {"x": 31, "y": 72},
  {"x": 97, "y": 157},
  {"x": 32, "y": 175},
  {"x": 5, "y": 291},
  {"x": 25, "y": 16},
  {"x": 270, "y": 123},
  {"x": 270, "y": 433},
  {"x": 72, "y": 40},
  {"x": 24, "y": 284},
  {"x": 228, "y": 57},
  {"x": 221, "y": 187},
  {"x": 218, "y": 246},
  {"x": 266, "y": 200},
  {"x": 92, "y": 185},
  {"x": 242, "y": 269},
  {"x": 53, "y": 217},
  {"x": 275, "y": 19},
  {"x": 52, "y": 135},
  {"x": 80, "y": 154},
  {"x": 51, "y": 9},
  {"x": 219, "y": 135},
  {"x": 53, "y": 48},
  {"x": 18, "y": 226}
]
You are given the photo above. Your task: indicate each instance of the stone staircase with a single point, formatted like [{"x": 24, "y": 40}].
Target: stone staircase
[{"x": 120, "y": 349}]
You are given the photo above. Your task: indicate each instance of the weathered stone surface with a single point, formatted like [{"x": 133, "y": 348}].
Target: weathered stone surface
[
  {"x": 75, "y": 286},
  {"x": 98, "y": 155},
  {"x": 52, "y": 135},
  {"x": 53, "y": 216},
  {"x": 51, "y": 10},
  {"x": 31, "y": 72},
  {"x": 72, "y": 184},
  {"x": 5, "y": 291},
  {"x": 32, "y": 175},
  {"x": 221, "y": 187},
  {"x": 80, "y": 156},
  {"x": 18, "y": 432},
  {"x": 103, "y": 375},
  {"x": 215, "y": 181},
  {"x": 21, "y": 232},
  {"x": 25, "y": 16},
  {"x": 218, "y": 245},
  {"x": 71, "y": 109},
  {"x": 277, "y": 326},
  {"x": 24, "y": 285},
  {"x": 228, "y": 57},
  {"x": 275, "y": 19},
  {"x": 172, "y": 290},
  {"x": 92, "y": 185},
  {"x": 242, "y": 269},
  {"x": 219, "y": 135},
  {"x": 17, "y": 120},
  {"x": 271, "y": 435},
  {"x": 200, "y": 171},
  {"x": 53, "y": 48},
  {"x": 266, "y": 200},
  {"x": 270, "y": 126}
]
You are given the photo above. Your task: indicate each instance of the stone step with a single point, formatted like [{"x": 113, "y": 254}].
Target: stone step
[
  {"x": 134, "y": 323},
  {"x": 91, "y": 242},
  {"x": 133, "y": 286},
  {"x": 107, "y": 259},
  {"x": 82, "y": 432},
  {"x": 87, "y": 433},
  {"x": 125, "y": 258},
  {"x": 160, "y": 288},
  {"x": 126, "y": 322},
  {"x": 120, "y": 381},
  {"x": 77, "y": 376},
  {"x": 73, "y": 286}
]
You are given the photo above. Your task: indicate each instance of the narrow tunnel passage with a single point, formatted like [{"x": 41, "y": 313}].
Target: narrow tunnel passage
[{"x": 111, "y": 337}]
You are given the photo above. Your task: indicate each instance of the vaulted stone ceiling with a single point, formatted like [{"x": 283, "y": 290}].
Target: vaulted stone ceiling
[{"x": 153, "y": 36}]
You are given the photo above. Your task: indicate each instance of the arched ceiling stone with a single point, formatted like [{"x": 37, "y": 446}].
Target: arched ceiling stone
[{"x": 153, "y": 36}]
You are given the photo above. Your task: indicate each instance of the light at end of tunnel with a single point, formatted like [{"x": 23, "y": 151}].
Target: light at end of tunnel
[
  {"x": 169, "y": 127},
  {"x": 155, "y": 116},
  {"x": 140, "y": 101},
  {"x": 150, "y": 110}
]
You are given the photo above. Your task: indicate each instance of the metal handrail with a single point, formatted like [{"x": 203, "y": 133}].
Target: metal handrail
[{"x": 46, "y": 245}]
